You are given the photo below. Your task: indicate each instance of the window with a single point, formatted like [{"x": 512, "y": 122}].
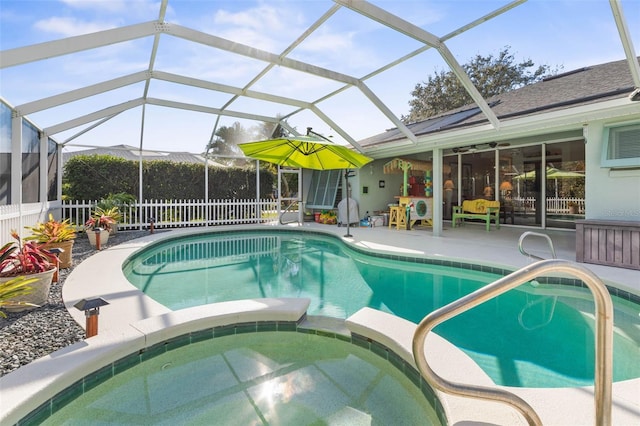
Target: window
[
  {"x": 5, "y": 154},
  {"x": 30, "y": 163},
  {"x": 621, "y": 147},
  {"x": 52, "y": 170},
  {"x": 323, "y": 189}
]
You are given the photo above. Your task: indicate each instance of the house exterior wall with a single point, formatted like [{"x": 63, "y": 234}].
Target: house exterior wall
[
  {"x": 611, "y": 194},
  {"x": 377, "y": 199}
]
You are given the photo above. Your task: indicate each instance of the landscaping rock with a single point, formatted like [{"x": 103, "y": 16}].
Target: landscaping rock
[{"x": 29, "y": 335}]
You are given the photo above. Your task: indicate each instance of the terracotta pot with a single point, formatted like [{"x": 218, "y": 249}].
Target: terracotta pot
[
  {"x": 39, "y": 295},
  {"x": 104, "y": 237},
  {"x": 65, "y": 258}
]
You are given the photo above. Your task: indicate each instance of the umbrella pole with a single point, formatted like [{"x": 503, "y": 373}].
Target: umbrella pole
[{"x": 346, "y": 180}]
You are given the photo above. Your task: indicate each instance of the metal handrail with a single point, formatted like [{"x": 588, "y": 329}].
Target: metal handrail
[
  {"x": 294, "y": 202},
  {"x": 535, "y": 234},
  {"x": 603, "y": 338},
  {"x": 553, "y": 255}
]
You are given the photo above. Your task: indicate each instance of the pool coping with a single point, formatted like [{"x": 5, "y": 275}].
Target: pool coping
[
  {"x": 130, "y": 306},
  {"x": 555, "y": 406},
  {"x": 32, "y": 385},
  {"x": 135, "y": 303},
  {"x": 86, "y": 364}
]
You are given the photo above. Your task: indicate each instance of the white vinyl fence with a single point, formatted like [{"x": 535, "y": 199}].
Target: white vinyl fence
[
  {"x": 180, "y": 213},
  {"x": 554, "y": 205},
  {"x": 185, "y": 213},
  {"x": 16, "y": 217}
]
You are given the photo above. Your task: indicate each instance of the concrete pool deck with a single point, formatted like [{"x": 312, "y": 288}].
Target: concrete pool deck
[{"x": 471, "y": 243}]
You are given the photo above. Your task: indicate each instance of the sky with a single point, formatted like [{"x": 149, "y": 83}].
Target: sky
[{"x": 564, "y": 35}]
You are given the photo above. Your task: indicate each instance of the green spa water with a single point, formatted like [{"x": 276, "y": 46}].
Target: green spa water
[
  {"x": 532, "y": 336},
  {"x": 276, "y": 378}
]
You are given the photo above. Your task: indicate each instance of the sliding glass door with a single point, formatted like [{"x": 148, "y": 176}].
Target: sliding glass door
[
  {"x": 565, "y": 181},
  {"x": 538, "y": 185}
]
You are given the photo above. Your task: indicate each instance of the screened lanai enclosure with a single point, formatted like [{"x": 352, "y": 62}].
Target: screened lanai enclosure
[{"x": 168, "y": 75}]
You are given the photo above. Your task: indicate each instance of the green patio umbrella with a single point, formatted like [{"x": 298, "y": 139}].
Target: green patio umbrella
[
  {"x": 312, "y": 151},
  {"x": 552, "y": 173},
  {"x": 306, "y": 152}
]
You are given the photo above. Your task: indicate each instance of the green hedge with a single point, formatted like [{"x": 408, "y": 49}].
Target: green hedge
[{"x": 92, "y": 177}]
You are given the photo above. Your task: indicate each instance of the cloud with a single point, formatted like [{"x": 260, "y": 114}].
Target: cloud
[
  {"x": 256, "y": 18},
  {"x": 107, "y": 6},
  {"x": 265, "y": 26},
  {"x": 68, "y": 27},
  {"x": 324, "y": 40},
  {"x": 114, "y": 6},
  {"x": 344, "y": 51}
]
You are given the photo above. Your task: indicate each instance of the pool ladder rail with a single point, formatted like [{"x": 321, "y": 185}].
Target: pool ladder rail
[
  {"x": 535, "y": 234},
  {"x": 540, "y": 301},
  {"x": 603, "y": 337},
  {"x": 281, "y": 218}
]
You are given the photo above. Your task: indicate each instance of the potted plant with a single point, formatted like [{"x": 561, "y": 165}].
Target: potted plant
[
  {"x": 103, "y": 220},
  {"x": 13, "y": 289},
  {"x": 108, "y": 218},
  {"x": 328, "y": 217},
  {"x": 112, "y": 204},
  {"x": 573, "y": 207},
  {"x": 32, "y": 260},
  {"x": 55, "y": 234}
]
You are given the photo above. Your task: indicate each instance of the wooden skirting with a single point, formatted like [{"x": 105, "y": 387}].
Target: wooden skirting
[{"x": 608, "y": 242}]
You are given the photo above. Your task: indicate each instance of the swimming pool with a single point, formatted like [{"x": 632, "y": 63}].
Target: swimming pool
[
  {"x": 255, "y": 378},
  {"x": 529, "y": 337}
]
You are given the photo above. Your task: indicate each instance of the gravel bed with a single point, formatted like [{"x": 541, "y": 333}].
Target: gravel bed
[{"x": 26, "y": 336}]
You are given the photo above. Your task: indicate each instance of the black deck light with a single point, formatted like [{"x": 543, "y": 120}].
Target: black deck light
[{"x": 91, "y": 308}]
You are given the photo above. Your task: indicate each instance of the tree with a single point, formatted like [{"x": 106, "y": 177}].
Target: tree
[
  {"x": 226, "y": 140},
  {"x": 225, "y": 143},
  {"x": 490, "y": 75},
  {"x": 267, "y": 130}
]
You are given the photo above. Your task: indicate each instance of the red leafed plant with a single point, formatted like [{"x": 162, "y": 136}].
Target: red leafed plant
[
  {"x": 24, "y": 258},
  {"x": 101, "y": 218}
]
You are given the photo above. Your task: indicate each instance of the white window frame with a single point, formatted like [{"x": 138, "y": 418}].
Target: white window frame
[
  {"x": 606, "y": 160},
  {"x": 323, "y": 189}
]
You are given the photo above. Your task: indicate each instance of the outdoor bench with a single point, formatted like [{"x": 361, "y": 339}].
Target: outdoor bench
[{"x": 477, "y": 209}]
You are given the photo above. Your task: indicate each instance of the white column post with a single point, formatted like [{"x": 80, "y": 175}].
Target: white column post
[
  {"x": 44, "y": 170},
  {"x": 16, "y": 167},
  {"x": 60, "y": 171},
  {"x": 436, "y": 181}
]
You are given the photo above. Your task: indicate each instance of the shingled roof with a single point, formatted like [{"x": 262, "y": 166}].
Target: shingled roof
[
  {"x": 129, "y": 152},
  {"x": 588, "y": 85}
]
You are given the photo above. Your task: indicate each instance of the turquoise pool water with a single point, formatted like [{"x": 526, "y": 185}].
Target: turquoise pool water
[
  {"x": 534, "y": 336},
  {"x": 276, "y": 378}
]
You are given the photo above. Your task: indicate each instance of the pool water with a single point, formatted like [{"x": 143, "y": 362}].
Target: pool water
[
  {"x": 276, "y": 378},
  {"x": 533, "y": 336}
]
